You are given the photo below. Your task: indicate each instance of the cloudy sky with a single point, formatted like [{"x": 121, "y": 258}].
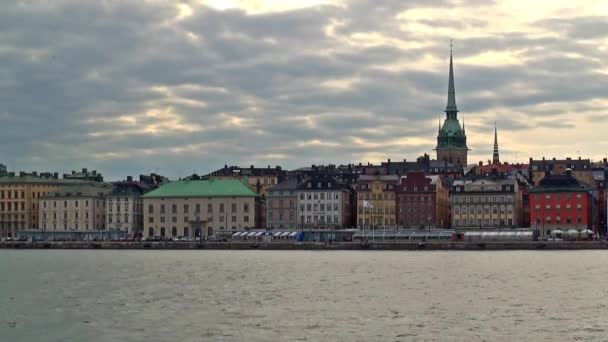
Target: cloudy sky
[{"x": 130, "y": 87}]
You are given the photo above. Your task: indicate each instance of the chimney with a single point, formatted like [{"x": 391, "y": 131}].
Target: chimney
[
  {"x": 129, "y": 179},
  {"x": 94, "y": 172},
  {"x": 11, "y": 174},
  {"x": 389, "y": 161},
  {"x": 568, "y": 158},
  {"x": 605, "y": 160},
  {"x": 579, "y": 157},
  {"x": 251, "y": 167},
  {"x": 553, "y": 158},
  {"x": 480, "y": 163},
  {"x": 21, "y": 173},
  {"x": 543, "y": 158},
  {"x": 84, "y": 170},
  {"x": 56, "y": 175},
  {"x": 34, "y": 173},
  {"x": 73, "y": 172}
]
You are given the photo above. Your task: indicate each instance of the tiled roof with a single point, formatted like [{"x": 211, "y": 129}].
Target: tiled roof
[
  {"x": 289, "y": 184},
  {"x": 203, "y": 188}
]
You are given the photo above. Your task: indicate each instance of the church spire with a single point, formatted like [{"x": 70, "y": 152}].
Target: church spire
[
  {"x": 495, "y": 157},
  {"x": 451, "y": 108}
]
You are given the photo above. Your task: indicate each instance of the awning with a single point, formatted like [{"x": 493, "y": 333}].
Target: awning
[
  {"x": 293, "y": 234},
  {"x": 259, "y": 233},
  {"x": 276, "y": 234}
]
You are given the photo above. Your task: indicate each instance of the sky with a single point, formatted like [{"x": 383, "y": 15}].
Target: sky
[{"x": 132, "y": 87}]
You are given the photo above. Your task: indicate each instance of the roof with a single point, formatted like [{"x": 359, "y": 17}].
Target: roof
[
  {"x": 549, "y": 164},
  {"x": 130, "y": 189},
  {"x": 248, "y": 171},
  {"x": 82, "y": 190},
  {"x": 559, "y": 183},
  {"x": 203, "y": 188},
  {"x": 289, "y": 184},
  {"x": 30, "y": 179}
]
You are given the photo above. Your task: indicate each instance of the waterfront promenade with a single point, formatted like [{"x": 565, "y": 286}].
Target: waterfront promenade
[{"x": 439, "y": 245}]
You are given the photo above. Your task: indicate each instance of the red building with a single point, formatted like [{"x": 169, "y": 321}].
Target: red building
[
  {"x": 422, "y": 201},
  {"x": 560, "y": 202}
]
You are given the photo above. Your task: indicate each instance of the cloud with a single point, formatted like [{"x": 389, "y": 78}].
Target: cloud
[{"x": 131, "y": 87}]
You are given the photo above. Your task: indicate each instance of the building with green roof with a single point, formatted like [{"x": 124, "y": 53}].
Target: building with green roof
[{"x": 191, "y": 208}]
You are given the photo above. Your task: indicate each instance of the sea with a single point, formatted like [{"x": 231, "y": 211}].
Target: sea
[{"x": 197, "y": 295}]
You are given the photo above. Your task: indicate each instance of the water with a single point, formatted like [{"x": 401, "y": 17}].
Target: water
[{"x": 91, "y": 295}]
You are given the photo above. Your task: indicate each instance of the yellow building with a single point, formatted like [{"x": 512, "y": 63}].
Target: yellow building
[
  {"x": 190, "y": 208},
  {"x": 379, "y": 192},
  {"x": 19, "y": 199}
]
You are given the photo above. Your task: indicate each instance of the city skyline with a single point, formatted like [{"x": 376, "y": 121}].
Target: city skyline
[{"x": 184, "y": 88}]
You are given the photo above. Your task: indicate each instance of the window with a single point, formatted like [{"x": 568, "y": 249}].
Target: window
[
  {"x": 234, "y": 207},
  {"x": 186, "y": 209},
  {"x": 246, "y": 207},
  {"x": 174, "y": 209},
  {"x": 233, "y": 218},
  {"x": 246, "y": 219},
  {"x": 221, "y": 207},
  {"x": 150, "y": 208},
  {"x": 162, "y": 208}
]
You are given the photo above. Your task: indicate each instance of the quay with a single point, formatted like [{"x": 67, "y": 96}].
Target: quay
[{"x": 288, "y": 245}]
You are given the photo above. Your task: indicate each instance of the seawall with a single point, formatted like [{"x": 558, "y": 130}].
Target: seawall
[{"x": 442, "y": 245}]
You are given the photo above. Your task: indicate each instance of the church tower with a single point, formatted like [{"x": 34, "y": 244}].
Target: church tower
[
  {"x": 495, "y": 157},
  {"x": 452, "y": 139}
]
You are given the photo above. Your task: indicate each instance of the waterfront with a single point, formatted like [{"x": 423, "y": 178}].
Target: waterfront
[{"x": 98, "y": 295}]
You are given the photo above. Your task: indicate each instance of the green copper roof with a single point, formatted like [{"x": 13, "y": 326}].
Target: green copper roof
[
  {"x": 451, "y": 106},
  {"x": 451, "y": 128},
  {"x": 203, "y": 188}
]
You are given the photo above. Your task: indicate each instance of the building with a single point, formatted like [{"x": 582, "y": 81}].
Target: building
[
  {"x": 493, "y": 201},
  {"x": 19, "y": 199},
  {"x": 560, "y": 202},
  {"x": 324, "y": 203},
  {"x": 376, "y": 200},
  {"x": 422, "y": 201},
  {"x": 193, "y": 207},
  {"x": 258, "y": 179},
  {"x": 451, "y": 138},
  {"x": 84, "y": 175},
  {"x": 581, "y": 169},
  {"x": 76, "y": 207},
  {"x": 124, "y": 205},
  {"x": 281, "y": 208}
]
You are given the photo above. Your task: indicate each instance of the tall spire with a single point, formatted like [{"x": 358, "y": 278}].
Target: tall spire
[
  {"x": 451, "y": 108},
  {"x": 495, "y": 157}
]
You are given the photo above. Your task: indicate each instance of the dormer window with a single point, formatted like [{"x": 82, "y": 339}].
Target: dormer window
[{"x": 309, "y": 185}]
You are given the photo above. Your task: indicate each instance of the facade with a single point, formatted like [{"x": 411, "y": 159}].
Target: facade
[
  {"x": 19, "y": 199},
  {"x": 124, "y": 205},
  {"x": 560, "y": 202},
  {"x": 378, "y": 191},
  {"x": 422, "y": 201},
  {"x": 580, "y": 168},
  {"x": 195, "y": 208},
  {"x": 258, "y": 179},
  {"x": 75, "y": 208},
  {"x": 451, "y": 138},
  {"x": 487, "y": 202},
  {"x": 323, "y": 203},
  {"x": 281, "y": 208}
]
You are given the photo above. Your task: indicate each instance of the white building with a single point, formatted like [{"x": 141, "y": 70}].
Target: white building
[
  {"x": 323, "y": 202},
  {"x": 78, "y": 208}
]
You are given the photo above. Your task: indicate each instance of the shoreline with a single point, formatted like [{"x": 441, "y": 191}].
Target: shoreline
[{"x": 387, "y": 246}]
